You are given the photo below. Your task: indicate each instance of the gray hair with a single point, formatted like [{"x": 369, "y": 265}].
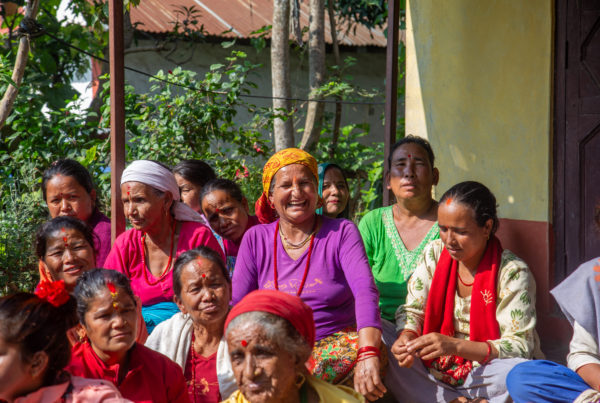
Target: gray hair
[
  {"x": 93, "y": 282},
  {"x": 277, "y": 329}
]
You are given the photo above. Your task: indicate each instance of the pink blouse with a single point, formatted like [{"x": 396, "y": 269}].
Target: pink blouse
[{"x": 126, "y": 257}]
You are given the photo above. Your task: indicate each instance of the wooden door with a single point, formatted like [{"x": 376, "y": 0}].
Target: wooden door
[{"x": 577, "y": 133}]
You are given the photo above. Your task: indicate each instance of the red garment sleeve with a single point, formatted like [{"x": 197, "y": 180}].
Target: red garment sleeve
[{"x": 175, "y": 382}]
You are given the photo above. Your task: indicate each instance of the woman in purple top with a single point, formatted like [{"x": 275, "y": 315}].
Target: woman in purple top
[
  {"x": 68, "y": 190},
  {"x": 323, "y": 261}
]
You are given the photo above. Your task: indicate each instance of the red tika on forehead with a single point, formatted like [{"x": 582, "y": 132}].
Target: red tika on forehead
[
  {"x": 111, "y": 287},
  {"x": 448, "y": 201},
  {"x": 244, "y": 343}
]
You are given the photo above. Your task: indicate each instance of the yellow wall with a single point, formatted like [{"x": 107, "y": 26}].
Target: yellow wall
[{"x": 478, "y": 86}]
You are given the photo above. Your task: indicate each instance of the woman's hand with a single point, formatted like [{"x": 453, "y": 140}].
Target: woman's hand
[
  {"x": 403, "y": 356},
  {"x": 367, "y": 381},
  {"x": 432, "y": 345}
]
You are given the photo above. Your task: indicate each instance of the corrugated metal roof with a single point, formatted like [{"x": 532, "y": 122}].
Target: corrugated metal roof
[{"x": 237, "y": 19}]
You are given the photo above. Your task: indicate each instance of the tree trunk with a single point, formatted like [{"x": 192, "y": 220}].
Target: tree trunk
[
  {"x": 338, "y": 62},
  {"x": 316, "y": 73},
  {"x": 21, "y": 61},
  {"x": 283, "y": 129}
]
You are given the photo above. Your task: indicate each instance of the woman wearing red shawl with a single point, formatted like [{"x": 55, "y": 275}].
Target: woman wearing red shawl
[
  {"x": 323, "y": 261},
  {"x": 266, "y": 331},
  {"x": 470, "y": 314},
  {"x": 107, "y": 311}
]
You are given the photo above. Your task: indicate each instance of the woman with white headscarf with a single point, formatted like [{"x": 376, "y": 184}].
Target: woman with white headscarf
[{"x": 163, "y": 228}]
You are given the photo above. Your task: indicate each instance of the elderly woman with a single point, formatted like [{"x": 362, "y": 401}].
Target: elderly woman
[
  {"x": 107, "y": 311},
  {"x": 163, "y": 228},
  {"x": 333, "y": 188},
  {"x": 34, "y": 350},
  {"x": 396, "y": 236},
  {"x": 470, "y": 312},
  {"x": 193, "y": 338},
  {"x": 227, "y": 212},
  {"x": 270, "y": 335},
  {"x": 68, "y": 190},
  {"x": 321, "y": 260},
  {"x": 65, "y": 249}
]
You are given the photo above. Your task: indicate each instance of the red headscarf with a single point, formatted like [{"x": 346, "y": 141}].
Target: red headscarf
[
  {"x": 265, "y": 213},
  {"x": 287, "y": 306}
]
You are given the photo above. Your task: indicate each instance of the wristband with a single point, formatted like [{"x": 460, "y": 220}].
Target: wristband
[
  {"x": 489, "y": 352},
  {"x": 367, "y": 352}
]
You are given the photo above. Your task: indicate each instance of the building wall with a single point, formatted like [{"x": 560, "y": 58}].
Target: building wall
[
  {"x": 368, "y": 73},
  {"x": 479, "y": 87}
]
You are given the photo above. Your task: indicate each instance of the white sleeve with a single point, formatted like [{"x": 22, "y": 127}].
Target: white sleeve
[{"x": 583, "y": 349}]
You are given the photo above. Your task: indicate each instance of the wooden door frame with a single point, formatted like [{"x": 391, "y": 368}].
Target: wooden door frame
[{"x": 559, "y": 139}]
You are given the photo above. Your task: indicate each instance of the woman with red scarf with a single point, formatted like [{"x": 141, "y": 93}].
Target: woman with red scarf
[{"x": 470, "y": 313}]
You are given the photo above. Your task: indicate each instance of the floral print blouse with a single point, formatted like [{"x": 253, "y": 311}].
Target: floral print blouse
[{"x": 515, "y": 309}]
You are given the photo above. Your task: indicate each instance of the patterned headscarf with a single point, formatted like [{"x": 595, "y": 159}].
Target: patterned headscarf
[{"x": 265, "y": 213}]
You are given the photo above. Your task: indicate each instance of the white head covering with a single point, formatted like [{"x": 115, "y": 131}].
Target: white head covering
[{"x": 159, "y": 177}]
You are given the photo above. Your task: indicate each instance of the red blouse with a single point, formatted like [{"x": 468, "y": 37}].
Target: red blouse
[
  {"x": 201, "y": 377},
  {"x": 151, "y": 377}
]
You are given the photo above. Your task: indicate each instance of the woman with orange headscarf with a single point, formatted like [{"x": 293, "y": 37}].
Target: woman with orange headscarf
[{"x": 321, "y": 260}]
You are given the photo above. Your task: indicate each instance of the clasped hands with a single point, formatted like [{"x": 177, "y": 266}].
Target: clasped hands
[{"x": 409, "y": 346}]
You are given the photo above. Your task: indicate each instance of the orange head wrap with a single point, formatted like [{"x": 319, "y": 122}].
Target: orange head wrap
[{"x": 289, "y": 156}]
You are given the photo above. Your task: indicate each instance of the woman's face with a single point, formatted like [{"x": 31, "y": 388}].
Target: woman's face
[
  {"x": 15, "y": 373},
  {"x": 226, "y": 215},
  {"x": 463, "y": 238},
  {"x": 294, "y": 193},
  {"x": 411, "y": 175},
  {"x": 143, "y": 207},
  {"x": 111, "y": 323},
  {"x": 190, "y": 193},
  {"x": 66, "y": 197},
  {"x": 263, "y": 371},
  {"x": 68, "y": 256},
  {"x": 335, "y": 192},
  {"x": 205, "y": 293}
]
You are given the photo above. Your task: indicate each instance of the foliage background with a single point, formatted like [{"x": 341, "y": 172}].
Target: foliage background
[{"x": 193, "y": 117}]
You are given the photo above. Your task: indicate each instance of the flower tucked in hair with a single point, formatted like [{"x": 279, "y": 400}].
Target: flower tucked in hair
[{"x": 53, "y": 291}]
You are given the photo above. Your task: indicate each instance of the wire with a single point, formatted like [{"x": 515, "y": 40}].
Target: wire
[{"x": 132, "y": 69}]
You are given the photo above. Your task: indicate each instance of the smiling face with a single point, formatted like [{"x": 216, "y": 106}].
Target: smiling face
[
  {"x": 335, "y": 192},
  {"x": 68, "y": 255},
  {"x": 263, "y": 371},
  {"x": 463, "y": 238},
  {"x": 411, "y": 175},
  {"x": 143, "y": 207},
  {"x": 15, "y": 373},
  {"x": 66, "y": 197},
  {"x": 226, "y": 215},
  {"x": 190, "y": 193},
  {"x": 205, "y": 293},
  {"x": 111, "y": 324},
  {"x": 294, "y": 193}
]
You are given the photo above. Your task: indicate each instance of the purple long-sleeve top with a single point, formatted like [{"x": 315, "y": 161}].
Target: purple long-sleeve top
[{"x": 339, "y": 286}]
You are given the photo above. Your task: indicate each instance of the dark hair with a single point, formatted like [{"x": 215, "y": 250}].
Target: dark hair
[
  {"x": 56, "y": 224},
  {"x": 35, "y": 325},
  {"x": 478, "y": 197},
  {"x": 195, "y": 171},
  {"x": 597, "y": 215},
  {"x": 225, "y": 185},
  {"x": 92, "y": 282},
  {"x": 68, "y": 167},
  {"x": 410, "y": 139},
  {"x": 203, "y": 252}
]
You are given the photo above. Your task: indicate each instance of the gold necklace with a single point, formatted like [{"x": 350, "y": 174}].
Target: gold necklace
[{"x": 291, "y": 245}]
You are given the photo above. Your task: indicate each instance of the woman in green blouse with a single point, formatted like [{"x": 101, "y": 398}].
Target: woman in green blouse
[{"x": 395, "y": 236}]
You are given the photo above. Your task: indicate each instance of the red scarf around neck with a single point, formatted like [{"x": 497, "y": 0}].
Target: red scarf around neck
[{"x": 439, "y": 312}]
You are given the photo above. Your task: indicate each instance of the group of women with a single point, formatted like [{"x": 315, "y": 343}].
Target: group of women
[{"x": 202, "y": 302}]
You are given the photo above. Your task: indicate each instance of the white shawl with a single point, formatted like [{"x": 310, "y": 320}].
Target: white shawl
[
  {"x": 173, "y": 338},
  {"x": 159, "y": 177}
]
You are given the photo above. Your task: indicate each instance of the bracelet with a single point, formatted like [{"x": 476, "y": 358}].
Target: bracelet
[
  {"x": 489, "y": 352},
  {"x": 367, "y": 352},
  {"x": 410, "y": 331}
]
